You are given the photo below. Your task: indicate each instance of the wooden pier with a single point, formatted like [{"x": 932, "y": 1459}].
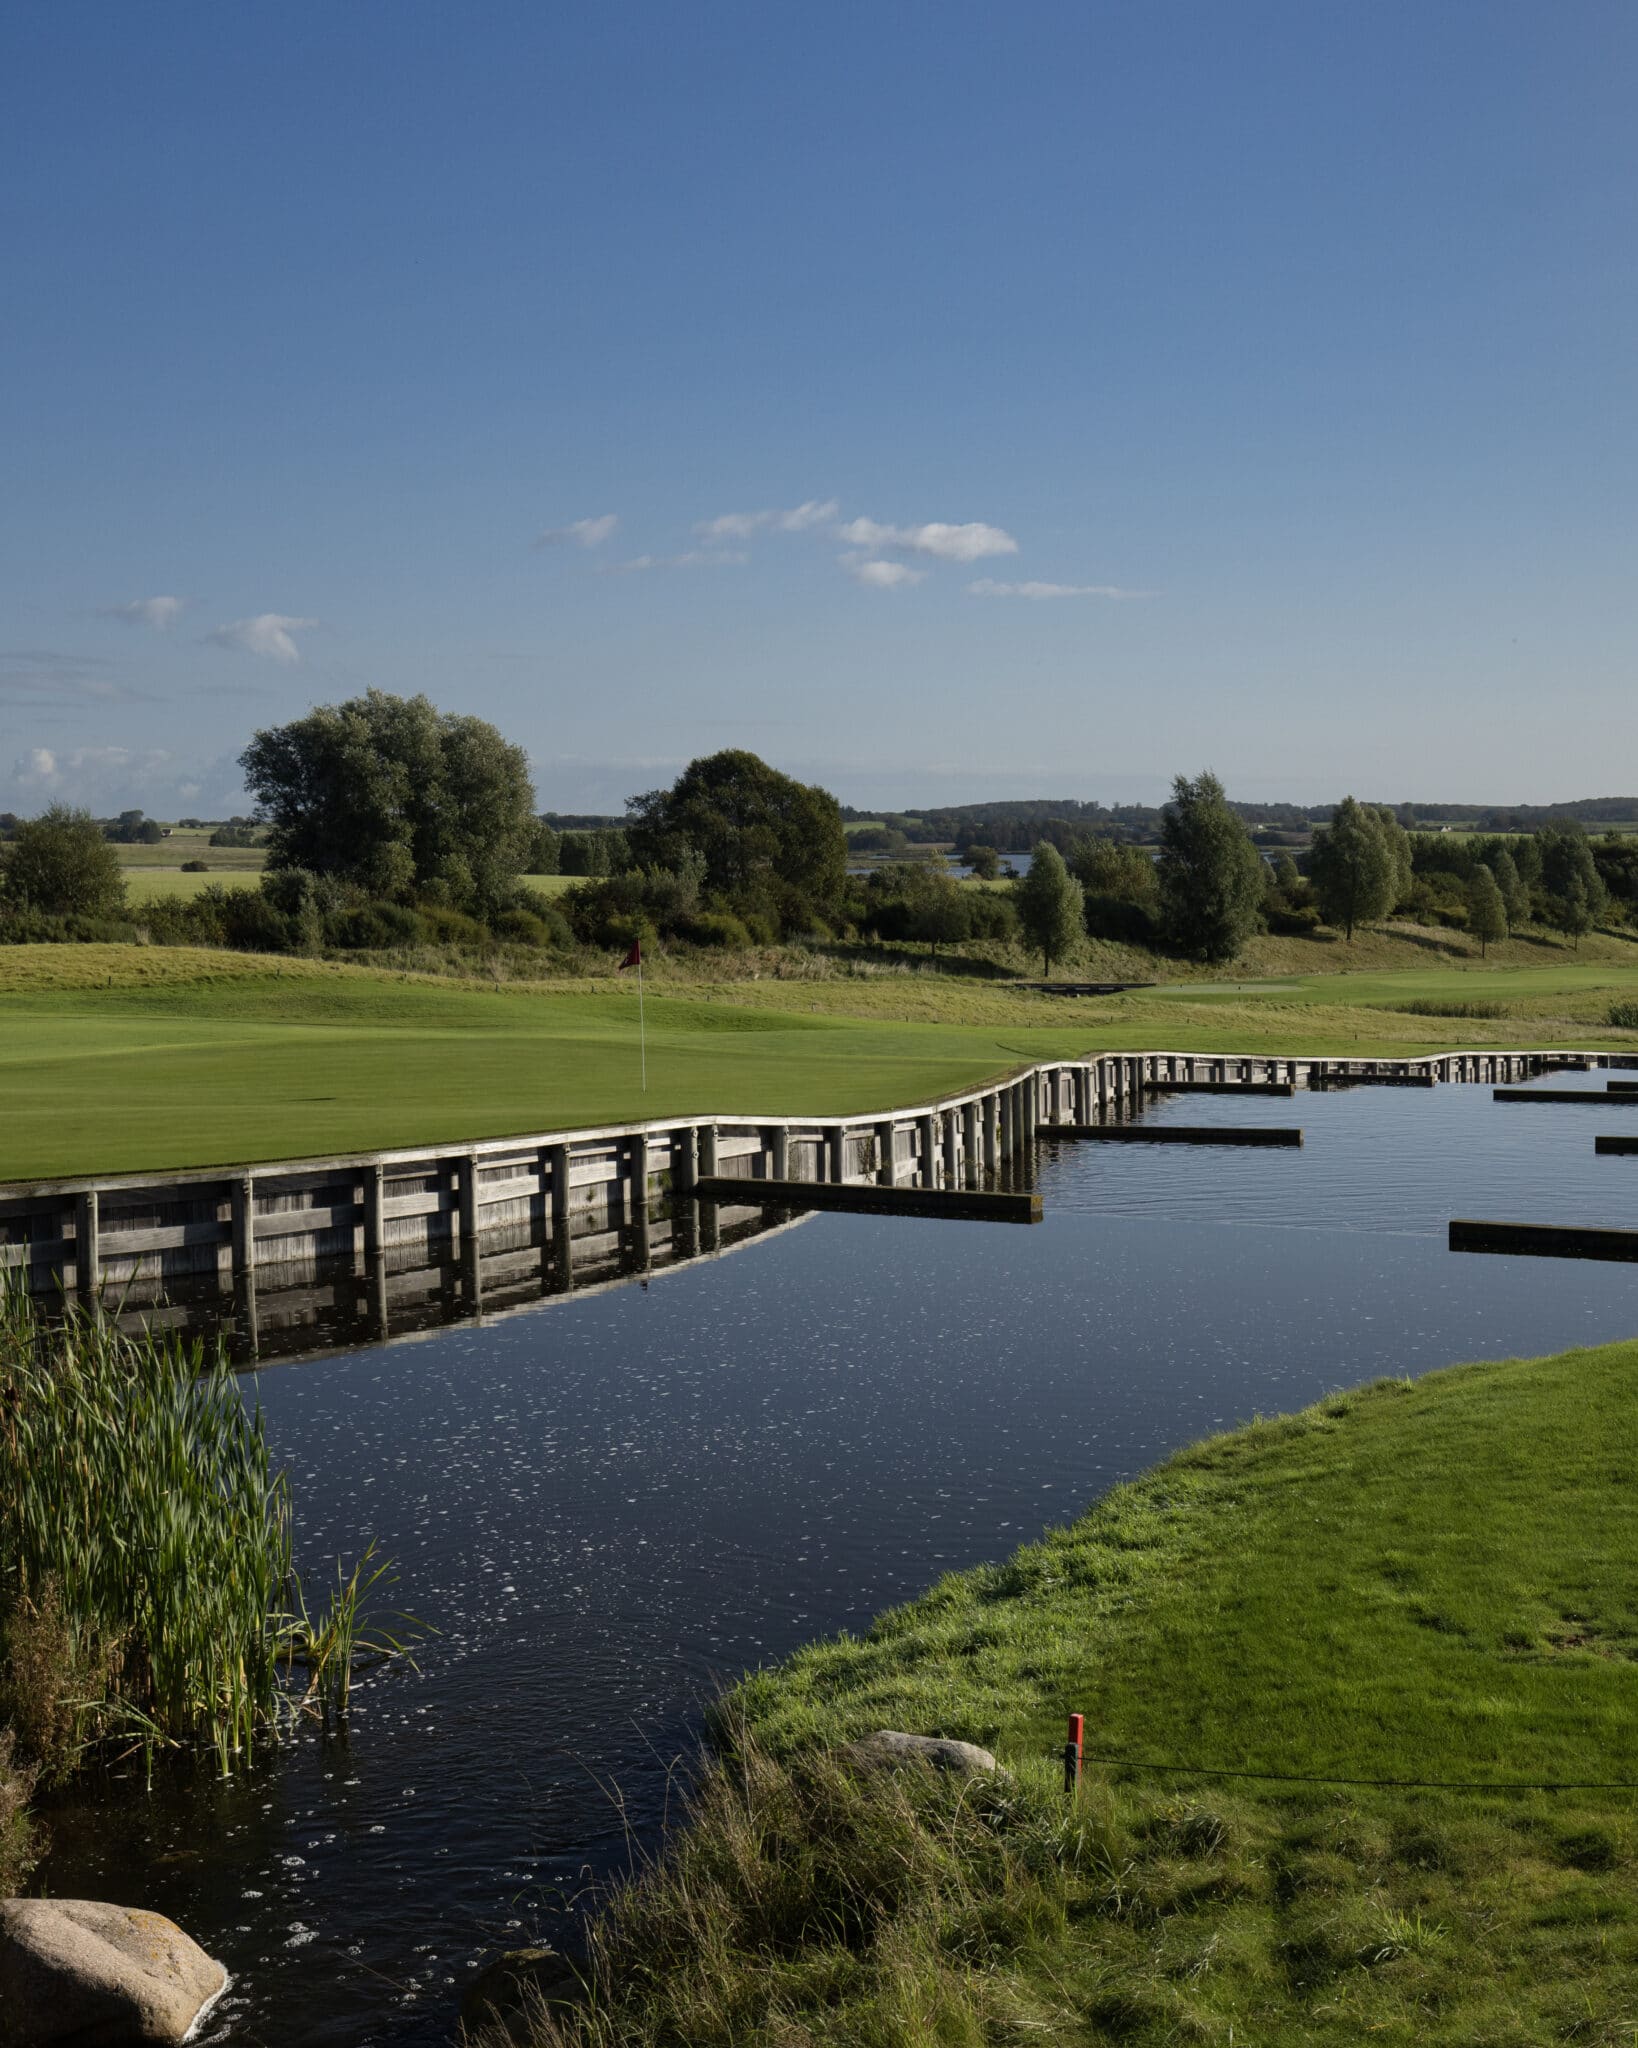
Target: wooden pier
[
  {"x": 289, "y": 1221},
  {"x": 985, "y": 1205},
  {"x": 1543, "y": 1240},
  {"x": 1182, "y": 1134},
  {"x": 1560, "y": 1095}
]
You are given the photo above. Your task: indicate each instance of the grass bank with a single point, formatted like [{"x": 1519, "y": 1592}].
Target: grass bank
[
  {"x": 133, "y": 1058},
  {"x": 1342, "y": 1633}
]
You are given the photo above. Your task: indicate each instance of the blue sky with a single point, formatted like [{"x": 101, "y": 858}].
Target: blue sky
[{"x": 1091, "y": 392}]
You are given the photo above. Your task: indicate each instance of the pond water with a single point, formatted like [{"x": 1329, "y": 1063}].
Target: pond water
[{"x": 609, "y": 1505}]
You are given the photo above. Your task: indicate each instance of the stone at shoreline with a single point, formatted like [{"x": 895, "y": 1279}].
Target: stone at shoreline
[
  {"x": 888, "y": 1748},
  {"x": 97, "y": 1976},
  {"x": 506, "y": 1988}
]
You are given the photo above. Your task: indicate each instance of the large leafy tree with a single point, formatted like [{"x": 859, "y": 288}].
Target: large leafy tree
[
  {"x": 60, "y": 864},
  {"x": 1210, "y": 873},
  {"x": 1357, "y": 865},
  {"x": 392, "y": 794},
  {"x": 1050, "y": 905},
  {"x": 766, "y": 840}
]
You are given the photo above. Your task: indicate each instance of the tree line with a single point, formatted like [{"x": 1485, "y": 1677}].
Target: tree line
[{"x": 390, "y": 825}]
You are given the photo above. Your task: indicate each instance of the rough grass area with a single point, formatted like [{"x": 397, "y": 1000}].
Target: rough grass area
[
  {"x": 185, "y": 843},
  {"x": 132, "y": 1058},
  {"x": 1428, "y": 1582}
]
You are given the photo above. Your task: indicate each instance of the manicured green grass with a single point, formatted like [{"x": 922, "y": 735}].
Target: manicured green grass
[
  {"x": 188, "y": 1057},
  {"x": 1431, "y": 1583},
  {"x": 125, "y": 1058}
]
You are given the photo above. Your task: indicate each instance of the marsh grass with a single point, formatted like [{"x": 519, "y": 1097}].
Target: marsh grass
[
  {"x": 147, "y": 1592},
  {"x": 1428, "y": 1583},
  {"x": 1431, "y": 1006}
]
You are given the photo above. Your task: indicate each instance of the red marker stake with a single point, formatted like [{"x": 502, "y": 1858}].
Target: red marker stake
[{"x": 1072, "y": 1752}]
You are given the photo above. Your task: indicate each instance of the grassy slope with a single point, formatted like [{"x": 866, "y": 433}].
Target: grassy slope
[
  {"x": 115, "y": 1059},
  {"x": 1428, "y": 1581}
]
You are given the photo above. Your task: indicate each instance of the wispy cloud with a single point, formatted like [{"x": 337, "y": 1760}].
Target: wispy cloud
[
  {"x": 41, "y": 676},
  {"x": 880, "y": 575},
  {"x": 267, "y": 634},
  {"x": 581, "y": 533},
  {"x": 742, "y": 525},
  {"x": 161, "y": 613},
  {"x": 690, "y": 558},
  {"x": 966, "y": 543},
  {"x": 986, "y": 586}
]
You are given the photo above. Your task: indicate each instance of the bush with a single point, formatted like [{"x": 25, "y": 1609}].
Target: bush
[
  {"x": 196, "y": 867},
  {"x": 1624, "y": 1016},
  {"x": 17, "y": 1844},
  {"x": 372, "y": 928},
  {"x": 521, "y": 928},
  {"x": 716, "y": 928},
  {"x": 445, "y": 927}
]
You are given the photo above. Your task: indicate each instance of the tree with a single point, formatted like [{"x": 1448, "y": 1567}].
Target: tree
[
  {"x": 984, "y": 862},
  {"x": 1121, "y": 890},
  {"x": 768, "y": 842},
  {"x": 396, "y": 796},
  {"x": 1210, "y": 874},
  {"x": 1574, "y": 913},
  {"x": 60, "y": 864},
  {"x": 1486, "y": 909},
  {"x": 1570, "y": 877},
  {"x": 1355, "y": 866},
  {"x": 1049, "y": 903},
  {"x": 1515, "y": 896}
]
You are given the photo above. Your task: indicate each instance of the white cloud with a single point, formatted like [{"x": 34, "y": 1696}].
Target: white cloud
[
  {"x": 159, "y": 612},
  {"x": 880, "y": 575},
  {"x": 584, "y": 533},
  {"x": 968, "y": 543},
  {"x": 691, "y": 558},
  {"x": 267, "y": 634},
  {"x": 40, "y": 762},
  {"x": 986, "y": 586},
  {"x": 741, "y": 525}
]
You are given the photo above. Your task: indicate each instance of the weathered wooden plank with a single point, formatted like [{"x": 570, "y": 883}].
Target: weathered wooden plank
[
  {"x": 1543, "y": 1240},
  {"x": 1183, "y": 1134},
  {"x": 1592, "y": 1095},
  {"x": 1219, "y": 1088},
  {"x": 974, "y": 1204}
]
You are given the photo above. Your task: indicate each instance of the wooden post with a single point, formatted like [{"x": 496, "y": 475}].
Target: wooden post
[
  {"x": 244, "y": 1227},
  {"x": 87, "y": 1248},
  {"x": 685, "y": 1152},
  {"x": 468, "y": 1183},
  {"x": 707, "y": 1151},
  {"x": 927, "y": 1150},
  {"x": 952, "y": 1151},
  {"x": 887, "y": 1155},
  {"x": 779, "y": 1152},
  {"x": 835, "y": 1163},
  {"x": 970, "y": 1156},
  {"x": 375, "y": 1211}
]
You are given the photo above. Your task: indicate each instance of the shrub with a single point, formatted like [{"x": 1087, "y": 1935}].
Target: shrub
[
  {"x": 716, "y": 928},
  {"x": 1624, "y": 1016},
  {"x": 445, "y": 927},
  {"x": 196, "y": 867},
  {"x": 1429, "y": 1006},
  {"x": 521, "y": 928},
  {"x": 17, "y": 1843},
  {"x": 372, "y": 927}
]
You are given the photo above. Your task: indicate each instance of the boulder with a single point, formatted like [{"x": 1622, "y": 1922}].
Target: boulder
[
  {"x": 77, "y": 1974},
  {"x": 500, "y": 1998},
  {"x": 887, "y": 1749}
]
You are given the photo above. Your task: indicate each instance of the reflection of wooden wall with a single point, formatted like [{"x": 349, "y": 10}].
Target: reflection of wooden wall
[{"x": 431, "y": 1204}]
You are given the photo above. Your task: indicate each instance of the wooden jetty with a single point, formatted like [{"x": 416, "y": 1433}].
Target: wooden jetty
[
  {"x": 426, "y": 1206},
  {"x": 1543, "y": 1240},
  {"x": 1592, "y": 1095},
  {"x": 1221, "y": 1087},
  {"x": 1181, "y": 1134},
  {"x": 987, "y": 1205},
  {"x": 1623, "y": 1147}
]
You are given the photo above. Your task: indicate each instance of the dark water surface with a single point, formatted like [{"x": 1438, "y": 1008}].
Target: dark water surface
[{"x": 609, "y": 1504}]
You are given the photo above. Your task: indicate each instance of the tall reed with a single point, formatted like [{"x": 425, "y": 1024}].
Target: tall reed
[{"x": 138, "y": 1504}]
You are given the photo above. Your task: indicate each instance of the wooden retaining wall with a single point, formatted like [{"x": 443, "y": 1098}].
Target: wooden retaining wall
[{"x": 426, "y": 1207}]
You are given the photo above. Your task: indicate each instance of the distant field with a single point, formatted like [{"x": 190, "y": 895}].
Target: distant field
[
  {"x": 148, "y": 885},
  {"x": 549, "y": 885},
  {"x": 189, "y": 845}
]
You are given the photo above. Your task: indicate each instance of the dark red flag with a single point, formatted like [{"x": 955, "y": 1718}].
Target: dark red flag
[{"x": 634, "y": 958}]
